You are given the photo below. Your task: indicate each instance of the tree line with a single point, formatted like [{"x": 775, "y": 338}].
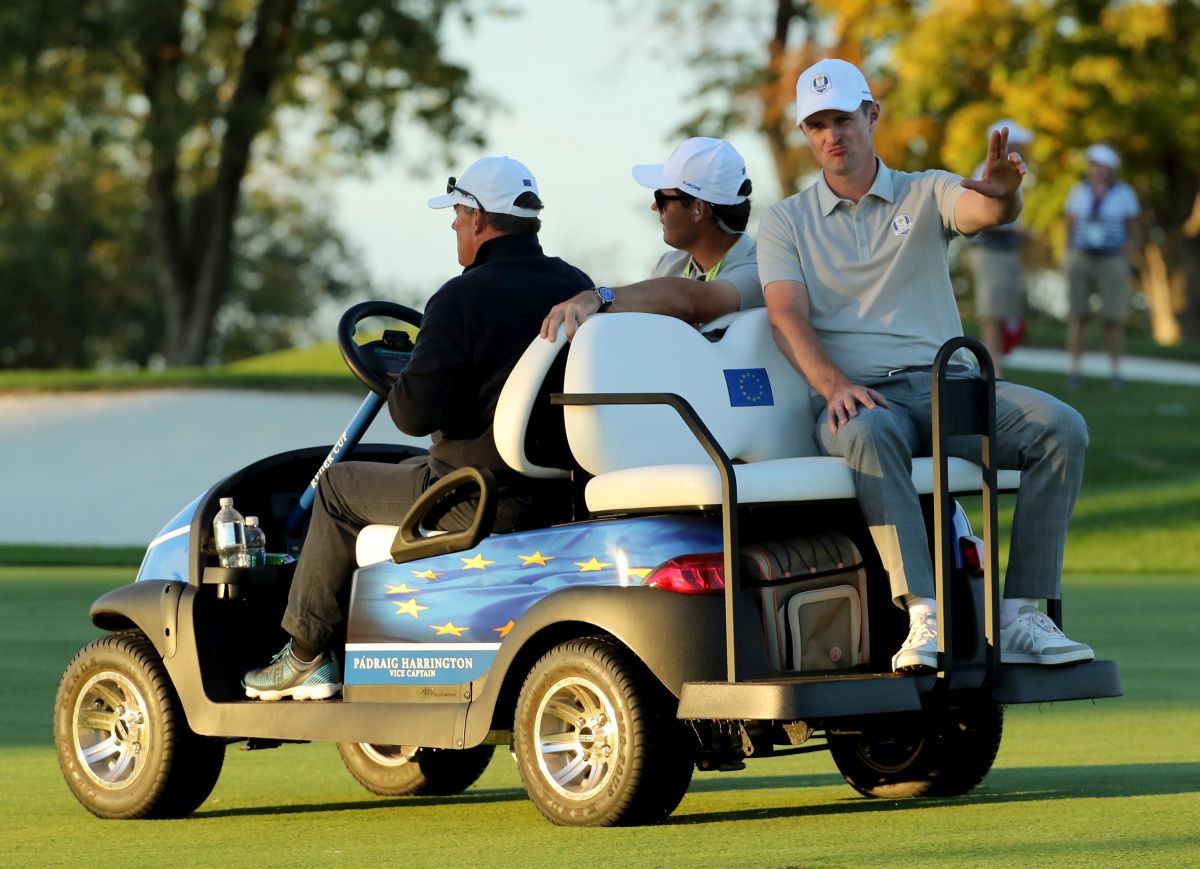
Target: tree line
[{"x": 157, "y": 203}]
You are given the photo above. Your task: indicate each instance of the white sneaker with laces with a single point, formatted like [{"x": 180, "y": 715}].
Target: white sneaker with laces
[
  {"x": 1033, "y": 638},
  {"x": 919, "y": 650}
]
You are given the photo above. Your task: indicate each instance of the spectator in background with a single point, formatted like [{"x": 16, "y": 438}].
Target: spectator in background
[
  {"x": 994, "y": 256},
  {"x": 1102, "y": 238}
]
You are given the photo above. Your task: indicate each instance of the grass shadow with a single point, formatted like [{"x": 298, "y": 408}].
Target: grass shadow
[
  {"x": 1011, "y": 785},
  {"x": 494, "y": 795}
]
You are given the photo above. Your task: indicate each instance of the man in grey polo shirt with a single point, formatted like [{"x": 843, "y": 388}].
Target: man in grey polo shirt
[
  {"x": 856, "y": 280},
  {"x": 701, "y": 195}
]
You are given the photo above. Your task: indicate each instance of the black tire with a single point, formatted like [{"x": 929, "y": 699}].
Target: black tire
[
  {"x": 409, "y": 771},
  {"x": 122, "y": 738},
  {"x": 596, "y": 739},
  {"x": 935, "y": 753}
]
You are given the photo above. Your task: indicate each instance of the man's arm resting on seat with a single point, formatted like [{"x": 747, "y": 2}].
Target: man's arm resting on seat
[
  {"x": 688, "y": 299},
  {"x": 788, "y": 309}
]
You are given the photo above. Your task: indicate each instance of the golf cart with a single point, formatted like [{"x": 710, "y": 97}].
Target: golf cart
[{"x": 711, "y": 595}]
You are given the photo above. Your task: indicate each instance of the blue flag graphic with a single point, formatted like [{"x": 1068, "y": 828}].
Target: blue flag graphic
[{"x": 749, "y": 387}]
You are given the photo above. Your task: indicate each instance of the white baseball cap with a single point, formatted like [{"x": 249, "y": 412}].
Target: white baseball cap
[
  {"x": 830, "y": 84},
  {"x": 708, "y": 169},
  {"x": 493, "y": 184},
  {"x": 1017, "y": 135},
  {"x": 1104, "y": 155}
]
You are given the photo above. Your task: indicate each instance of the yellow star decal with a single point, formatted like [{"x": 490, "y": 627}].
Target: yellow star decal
[
  {"x": 425, "y": 574},
  {"x": 639, "y": 572},
  {"x": 594, "y": 564},
  {"x": 536, "y": 558},
  {"x": 477, "y": 562},
  {"x": 503, "y": 631},
  {"x": 409, "y": 608},
  {"x": 449, "y": 628},
  {"x": 402, "y": 588}
]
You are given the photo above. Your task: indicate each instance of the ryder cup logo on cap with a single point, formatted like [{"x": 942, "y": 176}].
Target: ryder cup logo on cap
[
  {"x": 493, "y": 184},
  {"x": 830, "y": 84},
  {"x": 708, "y": 169}
]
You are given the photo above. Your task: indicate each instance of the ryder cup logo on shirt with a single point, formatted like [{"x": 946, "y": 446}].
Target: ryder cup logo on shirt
[
  {"x": 820, "y": 84},
  {"x": 901, "y": 225}
]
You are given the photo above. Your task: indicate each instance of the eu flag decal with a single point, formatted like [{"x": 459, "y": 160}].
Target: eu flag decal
[{"x": 749, "y": 387}]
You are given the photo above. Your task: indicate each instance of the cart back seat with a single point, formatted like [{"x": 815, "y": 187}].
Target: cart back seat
[{"x": 751, "y": 398}]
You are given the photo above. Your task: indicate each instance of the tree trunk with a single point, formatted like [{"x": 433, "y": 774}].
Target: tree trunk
[{"x": 193, "y": 256}]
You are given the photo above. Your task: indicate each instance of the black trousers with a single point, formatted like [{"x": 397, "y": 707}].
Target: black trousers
[{"x": 352, "y": 495}]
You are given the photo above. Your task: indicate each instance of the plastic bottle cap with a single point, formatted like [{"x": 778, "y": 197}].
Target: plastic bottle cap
[
  {"x": 226, "y": 502},
  {"x": 252, "y": 520}
]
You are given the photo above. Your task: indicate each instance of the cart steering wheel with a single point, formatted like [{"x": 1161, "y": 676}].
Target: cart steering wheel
[{"x": 377, "y": 363}]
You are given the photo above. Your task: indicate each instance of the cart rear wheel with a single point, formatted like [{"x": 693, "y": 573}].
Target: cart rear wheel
[
  {"x": 408, "y": 770},
  {"x": 122, "y": 738},
  {"x": 936, "y": 753},
  {"x": 596, "y": 738}
]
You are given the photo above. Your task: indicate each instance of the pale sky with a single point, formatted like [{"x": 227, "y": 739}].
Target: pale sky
[{"x": 590, "y": 90}]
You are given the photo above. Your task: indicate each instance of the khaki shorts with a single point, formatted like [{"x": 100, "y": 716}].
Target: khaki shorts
[
  {"x": 998, "y": 284},
  {"x": 1106, "y": 274}
]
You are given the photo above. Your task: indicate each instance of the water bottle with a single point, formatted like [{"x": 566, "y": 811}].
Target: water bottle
[
  {"x": 256, "y": 544},
  {"x": 229, "y": 529}
]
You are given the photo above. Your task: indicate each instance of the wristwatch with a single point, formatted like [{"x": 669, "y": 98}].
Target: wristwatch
[{"x": 606, "y": 299}]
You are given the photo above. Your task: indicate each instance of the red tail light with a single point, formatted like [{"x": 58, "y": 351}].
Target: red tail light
[
  {"x": 972, "y": 554},
  {"x": 703, "y": 573}
]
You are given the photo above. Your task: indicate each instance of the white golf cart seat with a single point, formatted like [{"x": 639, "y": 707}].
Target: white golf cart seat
[{"x": 750, "y": 397}]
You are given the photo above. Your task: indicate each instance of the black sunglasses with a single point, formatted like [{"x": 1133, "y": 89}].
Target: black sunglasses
[
  {"x": 661, "y": 199},
  {"x": 452, "y": 185}
]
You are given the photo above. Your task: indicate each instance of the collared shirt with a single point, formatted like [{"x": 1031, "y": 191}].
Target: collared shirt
[
  {"x": 877, "y": 272},
  {"x": 1101, "y": 222},
  {"x": 473, "y": 331},
  {"x": 739, "y": 266}
]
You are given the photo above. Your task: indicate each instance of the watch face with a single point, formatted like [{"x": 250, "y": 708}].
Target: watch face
[{"x": 606, "y": 295}]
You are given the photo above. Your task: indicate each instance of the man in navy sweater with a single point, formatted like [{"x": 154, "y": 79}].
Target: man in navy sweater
[{"x": 473, "y": 331}]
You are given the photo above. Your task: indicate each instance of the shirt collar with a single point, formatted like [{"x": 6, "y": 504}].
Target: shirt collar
[
  {"x": 738, "y": 248},
  {"x": 506, "y": 247},
  {"x": 883, "y": 187}
]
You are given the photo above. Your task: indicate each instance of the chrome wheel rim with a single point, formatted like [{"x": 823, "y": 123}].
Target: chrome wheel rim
[
  {"x": 577, "y": 738},
  {"x": 111, "y": 730},
  {"x": 389, "y": 755}
]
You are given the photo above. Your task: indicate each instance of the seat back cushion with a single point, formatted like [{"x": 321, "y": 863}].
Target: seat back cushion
[
  {"x": 528, "y": 430},
  {"x": 748, "y": 395}
]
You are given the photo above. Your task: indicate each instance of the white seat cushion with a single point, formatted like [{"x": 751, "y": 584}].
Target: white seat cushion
[{"x": 814, "y": 478}]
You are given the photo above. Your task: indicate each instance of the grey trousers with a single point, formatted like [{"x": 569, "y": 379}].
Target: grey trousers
[
  {"x": 1036, "y": 433},
  {"x": 350, "y": 496}
]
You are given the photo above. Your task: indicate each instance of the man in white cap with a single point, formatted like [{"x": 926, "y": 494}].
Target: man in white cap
[
  {"x": 1102, "y": 239},
  {"x": 701, "y": 195},
  {"x": 857, "y": 283},
  {"x": 994, "y": 256},
  {"x": 472, "y": 332}
]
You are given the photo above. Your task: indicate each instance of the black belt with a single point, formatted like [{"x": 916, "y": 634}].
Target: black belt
[
  {"x": 925, "y": 368},
  {"x": 1100, "y": 251}
]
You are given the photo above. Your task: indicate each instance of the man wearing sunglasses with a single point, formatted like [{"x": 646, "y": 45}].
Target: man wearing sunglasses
[
  {"x": 472, "y": 333},
  {"x": 701, "y": 196},
  {"x": 857, "y": 283}
]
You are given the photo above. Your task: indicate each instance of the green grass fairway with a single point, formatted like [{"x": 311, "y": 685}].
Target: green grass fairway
[{"x": 1076, "y": 784}]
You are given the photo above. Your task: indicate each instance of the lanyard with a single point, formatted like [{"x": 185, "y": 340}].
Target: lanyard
[{"x": 708, "y": 275}]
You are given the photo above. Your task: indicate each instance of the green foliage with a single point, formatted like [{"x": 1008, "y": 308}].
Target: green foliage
[{"x": 166, "y": 162}]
